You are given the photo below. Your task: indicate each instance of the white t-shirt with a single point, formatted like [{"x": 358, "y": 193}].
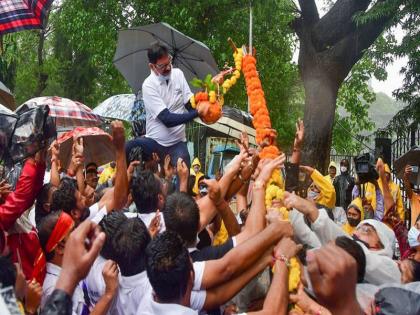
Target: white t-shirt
[
  {"x": 94, "y": 281},
  {"x": 53, "y": 272},
  {"x": 95, "y": 214},
  {"x": 159, "y": 95},
  {"x": 147, "y": 218},
  {"x": 154, "y": 308}
]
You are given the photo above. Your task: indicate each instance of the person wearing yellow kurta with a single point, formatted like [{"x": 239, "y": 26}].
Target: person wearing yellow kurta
[
  {"x": 321, "y": 190},
  {"x": 196, "y": 171},
  {"x": 355, "y": 215},
  {"x": 370, "y": 193},
  {"x": 332, "y": 171}
]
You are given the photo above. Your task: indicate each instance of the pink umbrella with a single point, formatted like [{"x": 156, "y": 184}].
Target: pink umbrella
[
  {"x": 18, "y": 15},
  {"x": 97, "y": 146},
  {"x": 67, "y": 113}
]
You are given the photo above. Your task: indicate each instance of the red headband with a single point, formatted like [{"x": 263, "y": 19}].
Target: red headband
[{"x": 63, "y": 226}]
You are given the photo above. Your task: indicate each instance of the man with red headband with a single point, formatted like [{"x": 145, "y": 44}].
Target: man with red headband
[{"x": 54, "y": 231}]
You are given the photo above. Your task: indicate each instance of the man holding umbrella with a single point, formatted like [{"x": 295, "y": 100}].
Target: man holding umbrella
[{"x": 166, "y": 96}]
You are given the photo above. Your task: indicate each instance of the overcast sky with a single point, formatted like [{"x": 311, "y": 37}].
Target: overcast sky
[{"x": 395, "y": 79}]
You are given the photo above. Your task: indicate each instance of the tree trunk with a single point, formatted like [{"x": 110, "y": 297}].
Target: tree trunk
[
  {"x": 320, "y": 103},
  {"x": 329, "y": 48}
]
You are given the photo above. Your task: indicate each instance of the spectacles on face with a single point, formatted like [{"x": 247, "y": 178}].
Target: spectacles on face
[
  {"x": 164, "y": 66},
  {"x": 366, "y": 229}
]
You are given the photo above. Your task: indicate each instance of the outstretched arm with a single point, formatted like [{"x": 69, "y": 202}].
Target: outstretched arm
[
  {"x": 116, "y": 198},
  {"x": 244, "y": 255}
]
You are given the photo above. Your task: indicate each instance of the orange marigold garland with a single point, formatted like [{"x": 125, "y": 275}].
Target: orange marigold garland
[{"x": 265, "y": 137}]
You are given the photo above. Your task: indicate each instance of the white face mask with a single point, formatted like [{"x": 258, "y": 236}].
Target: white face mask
[
  {"x": 413, "y": 237},
  {"x": 162, "y": 77},
  {"x": 343, "y": 169},
  {"x": 313, "y": 195}
]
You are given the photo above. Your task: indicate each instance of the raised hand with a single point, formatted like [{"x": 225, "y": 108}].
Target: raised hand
[
  {"x": 168, "y": 169},
  {"x": 214, "y": 191},
  {"x": 81, "y": 250},
  {"x": 300, "y": 133},
  {"x": 4, "y": 188},
  {"x": 291, "y": 200},
  {"x": 268, "y": 166},
  {"x": 203, "y": 108},
  {"x": 182, "y": 169},
  {"x": 286, "y": 247},
  {"x": 154, "y": 226},
  {"x": 33, "y": 297},
  {"x": 333, "y": 274},
  {"x": 110, "y": 274},
  {"x": 118, "y": 135},
  {"x": 307, "y": 169}
]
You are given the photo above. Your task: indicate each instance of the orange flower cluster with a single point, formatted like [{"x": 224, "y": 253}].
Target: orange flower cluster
[
  {"x": 214, "y": 113},
  {"x": 201, "y": 96},
  {"x": 258, "y": 108}
]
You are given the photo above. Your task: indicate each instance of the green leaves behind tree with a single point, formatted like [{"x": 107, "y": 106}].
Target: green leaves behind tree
[
  {"x": 214, "y": 21},
  {"x": 355, "y": 97}
]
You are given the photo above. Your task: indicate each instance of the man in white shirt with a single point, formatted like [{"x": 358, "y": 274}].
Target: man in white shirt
[
  {"x": 166, "y": 97},
  {"x": 171, "y": 274}
]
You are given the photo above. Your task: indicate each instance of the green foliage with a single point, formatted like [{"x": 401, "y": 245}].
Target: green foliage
[{"x": 79, "y": 50}]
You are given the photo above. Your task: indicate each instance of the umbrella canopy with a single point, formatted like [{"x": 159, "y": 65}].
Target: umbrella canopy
[
  {"x": 192, "y": 57},
  {"x": 18, "y": 15},
  {"x": 97, "y": 146},
  {"x": 412, "y": 158},
  {"x": 5, "y": 110},
  {"x": 67, "y": 113},
  {"x": 6, "y": 97},
  {"x": 123, "y": 106}
]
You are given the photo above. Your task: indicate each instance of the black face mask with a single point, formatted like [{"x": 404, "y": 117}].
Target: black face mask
[{"x": 353, "y": 222}]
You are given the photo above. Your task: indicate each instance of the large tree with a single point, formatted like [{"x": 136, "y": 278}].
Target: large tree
[{"x": 329, "y": 48}]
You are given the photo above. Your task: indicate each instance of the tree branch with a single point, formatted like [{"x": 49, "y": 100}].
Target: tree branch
[
  {"x": 350, "y": 49},
  {"x": 309, "y": 11},
  {"x": 337, "y": 23}
]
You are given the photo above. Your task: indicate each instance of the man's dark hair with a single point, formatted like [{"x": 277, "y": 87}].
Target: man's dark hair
[
  {"x": 182, "y": 216},
  {"x": 168, "y": 267},
  {"x": 64, "y": 197},
  {"x": 145, "y": 188},
  {"x": 129, "y": 244},
  {"x": 7, "y": 272},
  {"x": 110, "y": 224},
  {"x": 156, "y": 51},
  {"x": 356, "y": 251},
  {"x": 42, "y": 198},
  {"x": 416, "y": 270},
  {"x": 91, "y": 164},
  {"x": 45, "y": 229}
]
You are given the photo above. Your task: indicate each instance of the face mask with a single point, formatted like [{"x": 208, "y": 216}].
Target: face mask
[
  {"x": 313, "y": 195},
  {"x": 413, "y": 237},
  {"x": 353, "y": 221},
  {"x": 343, "y": 169},
  {"x": 164, "y": 78}
]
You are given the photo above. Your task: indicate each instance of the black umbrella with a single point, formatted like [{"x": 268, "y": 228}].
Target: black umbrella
[
  {"x": 412, "y": 158},
  {"x": 191, "y": 56}
]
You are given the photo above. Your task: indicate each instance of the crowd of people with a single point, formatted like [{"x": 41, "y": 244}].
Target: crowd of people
[
  {"x": 161, "y": 239},
  {"x": 153, "y": 235}
]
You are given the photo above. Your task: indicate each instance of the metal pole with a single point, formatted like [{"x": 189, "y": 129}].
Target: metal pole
[{"x": 250, "y": 37}]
